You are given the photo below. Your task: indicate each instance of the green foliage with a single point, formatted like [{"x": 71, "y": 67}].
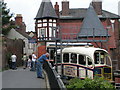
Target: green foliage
[
  {"x": 6, "y": 16},
  {"x": 90, "y": 84}
]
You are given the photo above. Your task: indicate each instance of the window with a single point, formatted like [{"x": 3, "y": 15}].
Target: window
[
  {"x": 73, "y": 58},
  {"x": 39, "y": 25},
  {"x": 44, "y": 20},
  {"x": 66, "y": 57},
  {"x": 102, "y": 58},
  {"x": 54, "y": 20},
  {"x": 53, "y": 32},
  {"x": 99, "y": 57},
  {"x": 52, "y": 54},
  {"x": 58, "y": 59},
  {"x": 50, "y": 20},
  {"x": 39, "y": 21},
  {"x": 96, "y": 58},
  {"x": 82, "y": 60},
  {"x": 108, "y": 61},
  {"x": 42, "y": 32},
  {"x": 89, "y": 61}
]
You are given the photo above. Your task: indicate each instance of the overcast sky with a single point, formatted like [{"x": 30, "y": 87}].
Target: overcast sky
[{"x": 29, "y": 8}]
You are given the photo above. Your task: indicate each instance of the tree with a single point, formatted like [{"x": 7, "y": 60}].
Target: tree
[
  {"x": 90, "y": 84},
  {"x": 6, "y": 16}
]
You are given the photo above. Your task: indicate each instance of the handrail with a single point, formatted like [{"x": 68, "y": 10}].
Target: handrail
[{"x": 54, "y": 79}]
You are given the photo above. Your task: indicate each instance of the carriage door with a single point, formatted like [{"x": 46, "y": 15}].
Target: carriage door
[
  {"x": 82, "y": 63},
  {"x": 89, "y": 70}
]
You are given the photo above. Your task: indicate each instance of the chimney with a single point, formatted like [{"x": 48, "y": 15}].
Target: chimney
[
  {"x": 97, "y": 4},
  {"x": 18, "y": 19},
  {"x": 56, "y": 6},
  {"x": 65, "y": 8}
]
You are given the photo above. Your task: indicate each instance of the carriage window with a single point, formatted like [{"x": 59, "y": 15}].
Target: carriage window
[
  {"x": 102, "y": 58},
  {"x": 66, "y": 57},
  {"x": 73, "y": 58},
  {"x": 81, "y": 60},
  {"x": 58, "y": 59},
  {"x": 108, "y": 61},
  {"x": 96, "y": 58},
  {"x": 52, "y": 51},
  {"x": 89, "y": 61}
]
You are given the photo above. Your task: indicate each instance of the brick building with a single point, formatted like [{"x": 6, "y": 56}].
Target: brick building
[{"x": 93, "y": 25}]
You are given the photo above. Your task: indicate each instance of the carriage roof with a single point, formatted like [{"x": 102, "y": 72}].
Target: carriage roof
[{"x": 89, "y": 51}]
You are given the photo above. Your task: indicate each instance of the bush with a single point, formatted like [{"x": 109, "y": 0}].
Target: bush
[{"x": 90, "y": 84}]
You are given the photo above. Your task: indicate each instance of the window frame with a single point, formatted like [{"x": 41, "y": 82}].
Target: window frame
[
  {"x": 84, "y": 59},
  {"x": 68, "y": 57},
  {"x": 72, "y": 58}
]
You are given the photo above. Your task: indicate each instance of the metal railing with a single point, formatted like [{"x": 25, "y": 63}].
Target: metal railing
[{"x": 55, "y": 81}]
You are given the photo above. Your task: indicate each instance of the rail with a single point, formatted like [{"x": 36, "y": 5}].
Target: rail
[{"x": 55, "y": 81}]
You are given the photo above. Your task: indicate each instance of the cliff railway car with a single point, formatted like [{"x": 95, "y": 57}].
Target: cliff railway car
[{"x": 84, "y": 62}]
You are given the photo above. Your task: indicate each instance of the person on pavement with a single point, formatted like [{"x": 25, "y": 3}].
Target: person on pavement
[
  {"x": 14, "y": 57},
  {"x": 40, "y": 62},
  {"x": 24, "y": 61},
  {"x": 33, "y": 63},
  {"x": 29, "y": 61}
]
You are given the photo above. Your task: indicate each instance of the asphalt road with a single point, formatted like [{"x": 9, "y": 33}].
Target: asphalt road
[{"x": 21, "y": 78}]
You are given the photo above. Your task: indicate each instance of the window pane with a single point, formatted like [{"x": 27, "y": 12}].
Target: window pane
[
  {"x": 102, "y": 58},
  {"x": 54, "y": 20},
  {"x": 82, "y": 60},
  {"x": 96, "y": 58},
  {"x": 73, "y": 58},
  {"x": 58, "y": 59},
  {"x": 50, "y": 20},
  {"x": 52, "y": 54},
  {"x": 66, "y": 57},
  {"x": 89, "y": 61},
  {"x": 44, "y": 20}
]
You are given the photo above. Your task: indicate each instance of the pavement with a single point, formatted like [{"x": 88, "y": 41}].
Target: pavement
[{"x": 22, "y": 79}]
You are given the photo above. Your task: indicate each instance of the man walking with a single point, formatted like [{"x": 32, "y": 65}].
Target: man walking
[
  {"x": 40, "y": 62},
  {"x": 14, "y": 57}
]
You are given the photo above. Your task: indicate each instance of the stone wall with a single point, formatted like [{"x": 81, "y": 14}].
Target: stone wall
[{"x": 10, "y": 46}]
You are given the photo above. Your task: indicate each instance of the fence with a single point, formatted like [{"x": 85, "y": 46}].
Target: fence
[{"x": 55, "y": 81}]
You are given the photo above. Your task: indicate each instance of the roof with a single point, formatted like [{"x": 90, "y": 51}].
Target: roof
[
  {"x": 92, "y": 25},
  {"x": 46, "y": 10},
  {"x": 89, "y": 51},
  {"x": 23, "y": 33},
  {"x": 79, "y": 13}
]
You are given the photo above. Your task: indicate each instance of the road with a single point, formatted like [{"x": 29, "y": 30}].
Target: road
[{"x": 22, "y": 78}]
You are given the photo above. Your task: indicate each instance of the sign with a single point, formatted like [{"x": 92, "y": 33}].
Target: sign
[
  {"x": 70, "y": 71},
  {"x": 32, "y": 40}
]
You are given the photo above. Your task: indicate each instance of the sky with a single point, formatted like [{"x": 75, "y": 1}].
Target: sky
[{"x": 29, "y": 8}]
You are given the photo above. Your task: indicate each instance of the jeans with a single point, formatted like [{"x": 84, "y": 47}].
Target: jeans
[
  {"x": 13, "y": 65},
  {"x": 39, "y": 69},
  {"x": 33, "y": 66}
]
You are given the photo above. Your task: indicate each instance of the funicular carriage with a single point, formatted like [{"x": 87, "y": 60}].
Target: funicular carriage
[{"x": 83, "y": 61}]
